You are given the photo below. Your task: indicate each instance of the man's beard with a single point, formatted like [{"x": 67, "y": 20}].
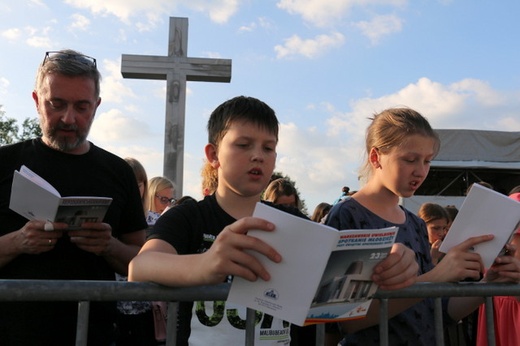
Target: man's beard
[{"x": 66, "y": 143}]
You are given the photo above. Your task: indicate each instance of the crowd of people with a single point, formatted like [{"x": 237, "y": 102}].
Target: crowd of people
[{"x": 151, "y": 235}]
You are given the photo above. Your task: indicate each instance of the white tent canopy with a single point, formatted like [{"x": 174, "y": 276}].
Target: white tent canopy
[
  {"x": 475, "y": 148},
  {"x": 465, "y": 157}
]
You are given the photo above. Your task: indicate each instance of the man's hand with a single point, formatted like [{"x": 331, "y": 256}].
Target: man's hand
[
  {"x": 95, "y": 237},
  {"x": 34, "y": 239}
]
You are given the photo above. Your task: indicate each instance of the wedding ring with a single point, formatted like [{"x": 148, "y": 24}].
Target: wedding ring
[{"x": 48, "y": 226}]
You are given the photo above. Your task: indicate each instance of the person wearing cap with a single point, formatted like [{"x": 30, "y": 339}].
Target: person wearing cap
[{"x": 66, "y": 96}]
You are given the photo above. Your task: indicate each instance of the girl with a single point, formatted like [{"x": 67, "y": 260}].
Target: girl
[
  {"x": 161, "y": 191},
  {"x": 400, "y": 145},
  {"x": 437, "y": 219}
]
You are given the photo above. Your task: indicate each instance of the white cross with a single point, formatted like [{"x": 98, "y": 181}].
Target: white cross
[{"x": 176, "y": 69}]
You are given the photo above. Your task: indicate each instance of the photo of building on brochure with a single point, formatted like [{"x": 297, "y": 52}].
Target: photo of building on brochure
[{"x": 346, "y": 289}]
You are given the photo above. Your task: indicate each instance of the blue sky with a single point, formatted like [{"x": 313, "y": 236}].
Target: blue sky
[{"x": 325, "y": 66}]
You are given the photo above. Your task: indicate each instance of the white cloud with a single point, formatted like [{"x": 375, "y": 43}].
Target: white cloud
[
  {"x": 317, "y": 162},
  {"x": 39, "y": 41},
  {"x": 261, "y": 22},
  {"x": 309, "y": 48},
  {"x": 221, "y": 11},
  {"x": 114, "y": 127},
  {"x": 79, "y": 22},
  {"x": 482, "y": 92},
  {"x": 34, "y": 37},
  {"x": 11, "y": 34},
  {"x": 380, "y": 26},
  {"x": 4, "y": 85},
  {"x": 457, "y": 105},
  {"x": 317, "y": 12},
  {"x": 131, "y": 11},
  {"x": 112, "y": 87},
  {"x": 327, "y": 12},
  {"x": 247, "y": 28}
]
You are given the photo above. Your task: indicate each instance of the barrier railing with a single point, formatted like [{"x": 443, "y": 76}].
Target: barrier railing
[{"x": 85, "y": 292}]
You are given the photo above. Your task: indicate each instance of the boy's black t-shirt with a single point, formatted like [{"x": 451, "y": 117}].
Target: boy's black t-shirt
[{"x": 191, "y": 228}]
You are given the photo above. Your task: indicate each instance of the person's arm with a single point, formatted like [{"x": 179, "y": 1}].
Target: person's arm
[
  {"x": 159, "y": 262},
  {"x": 458, "y": 264},
  {"x": 398, "y": 270},
  {"x": 506, "y": 268},
  {"x": 97, "y": 238},
  {"x": 32, "y": 239}
]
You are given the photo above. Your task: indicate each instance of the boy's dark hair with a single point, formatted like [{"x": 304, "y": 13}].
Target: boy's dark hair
[{"x": 240, "y": 108}]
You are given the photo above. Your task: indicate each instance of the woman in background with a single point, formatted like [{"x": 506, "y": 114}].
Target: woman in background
[
  {"x": 281, "y": 191},
  {"x": 161, "y": 192}
]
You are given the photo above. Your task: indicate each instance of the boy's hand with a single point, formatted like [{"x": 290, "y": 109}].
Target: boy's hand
[
  {"x": 398, "y": 270},
  {"x": 461, "y": 262},
  {"x": 227, "y": 256}
]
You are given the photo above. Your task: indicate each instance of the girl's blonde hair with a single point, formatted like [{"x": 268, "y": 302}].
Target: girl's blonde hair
[
  {"x": 209, "y": 177},
  {"x": 157, "y": 184},
  {"x": 391, "y": 128}
]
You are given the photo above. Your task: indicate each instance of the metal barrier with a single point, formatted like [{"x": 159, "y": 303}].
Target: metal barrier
[{"x": 86, "y": 291}]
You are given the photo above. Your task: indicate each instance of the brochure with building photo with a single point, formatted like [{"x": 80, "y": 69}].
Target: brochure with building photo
[
  {"x": 484, "y": 211},
  {"x": 34, "y": 198},
  {"x": 324, "y": 276}
]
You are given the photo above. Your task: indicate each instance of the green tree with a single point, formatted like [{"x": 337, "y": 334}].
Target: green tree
[
  {"x": 30, "y": 129},
  {"x": 10, "y": 131}
]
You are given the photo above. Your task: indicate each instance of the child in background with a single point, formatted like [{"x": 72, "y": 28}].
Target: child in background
[
  {"x": 161, "y": 192},
  {"x": 320, "y": 212},
  {"x": 452, "y": 212},
  {"x": 436, "y": 219},
  {"x": 281, "y": 191},
  {"x": 206, "y": 242},
  {"x": 400, "y": 145}
]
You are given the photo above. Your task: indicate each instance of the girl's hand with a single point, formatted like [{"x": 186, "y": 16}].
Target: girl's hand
[
  {"x": 460, "y": 262},
  {"x": 506, "y": 268},
  {"x": 398, "y": 270}
]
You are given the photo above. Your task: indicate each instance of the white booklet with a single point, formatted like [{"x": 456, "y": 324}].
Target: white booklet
[
  {"x": 484, "y": 211},
  {"x": 34, "y": 198},
  {"x": 324, "y": 276}
]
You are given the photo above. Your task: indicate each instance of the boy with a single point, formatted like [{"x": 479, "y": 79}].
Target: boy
[{"x": 200, "y": 243}]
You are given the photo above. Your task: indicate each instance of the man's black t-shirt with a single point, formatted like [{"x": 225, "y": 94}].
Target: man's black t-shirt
[{"x": 96, "y": 173}]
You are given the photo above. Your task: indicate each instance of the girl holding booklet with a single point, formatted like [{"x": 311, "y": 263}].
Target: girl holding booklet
[{"x": 400, "y": 145}]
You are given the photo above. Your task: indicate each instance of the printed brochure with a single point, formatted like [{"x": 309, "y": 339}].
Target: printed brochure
[
  {"x": 34, "y": 198},
  {"x": 324, "y": 275},
  {"x": 484, "y": 211}
]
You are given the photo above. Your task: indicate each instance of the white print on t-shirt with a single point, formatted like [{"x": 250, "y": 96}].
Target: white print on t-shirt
[{"x": 223, "y": 323}]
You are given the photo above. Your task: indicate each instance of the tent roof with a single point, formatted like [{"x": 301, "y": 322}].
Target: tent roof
[{"x": 476, "y": 148}]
